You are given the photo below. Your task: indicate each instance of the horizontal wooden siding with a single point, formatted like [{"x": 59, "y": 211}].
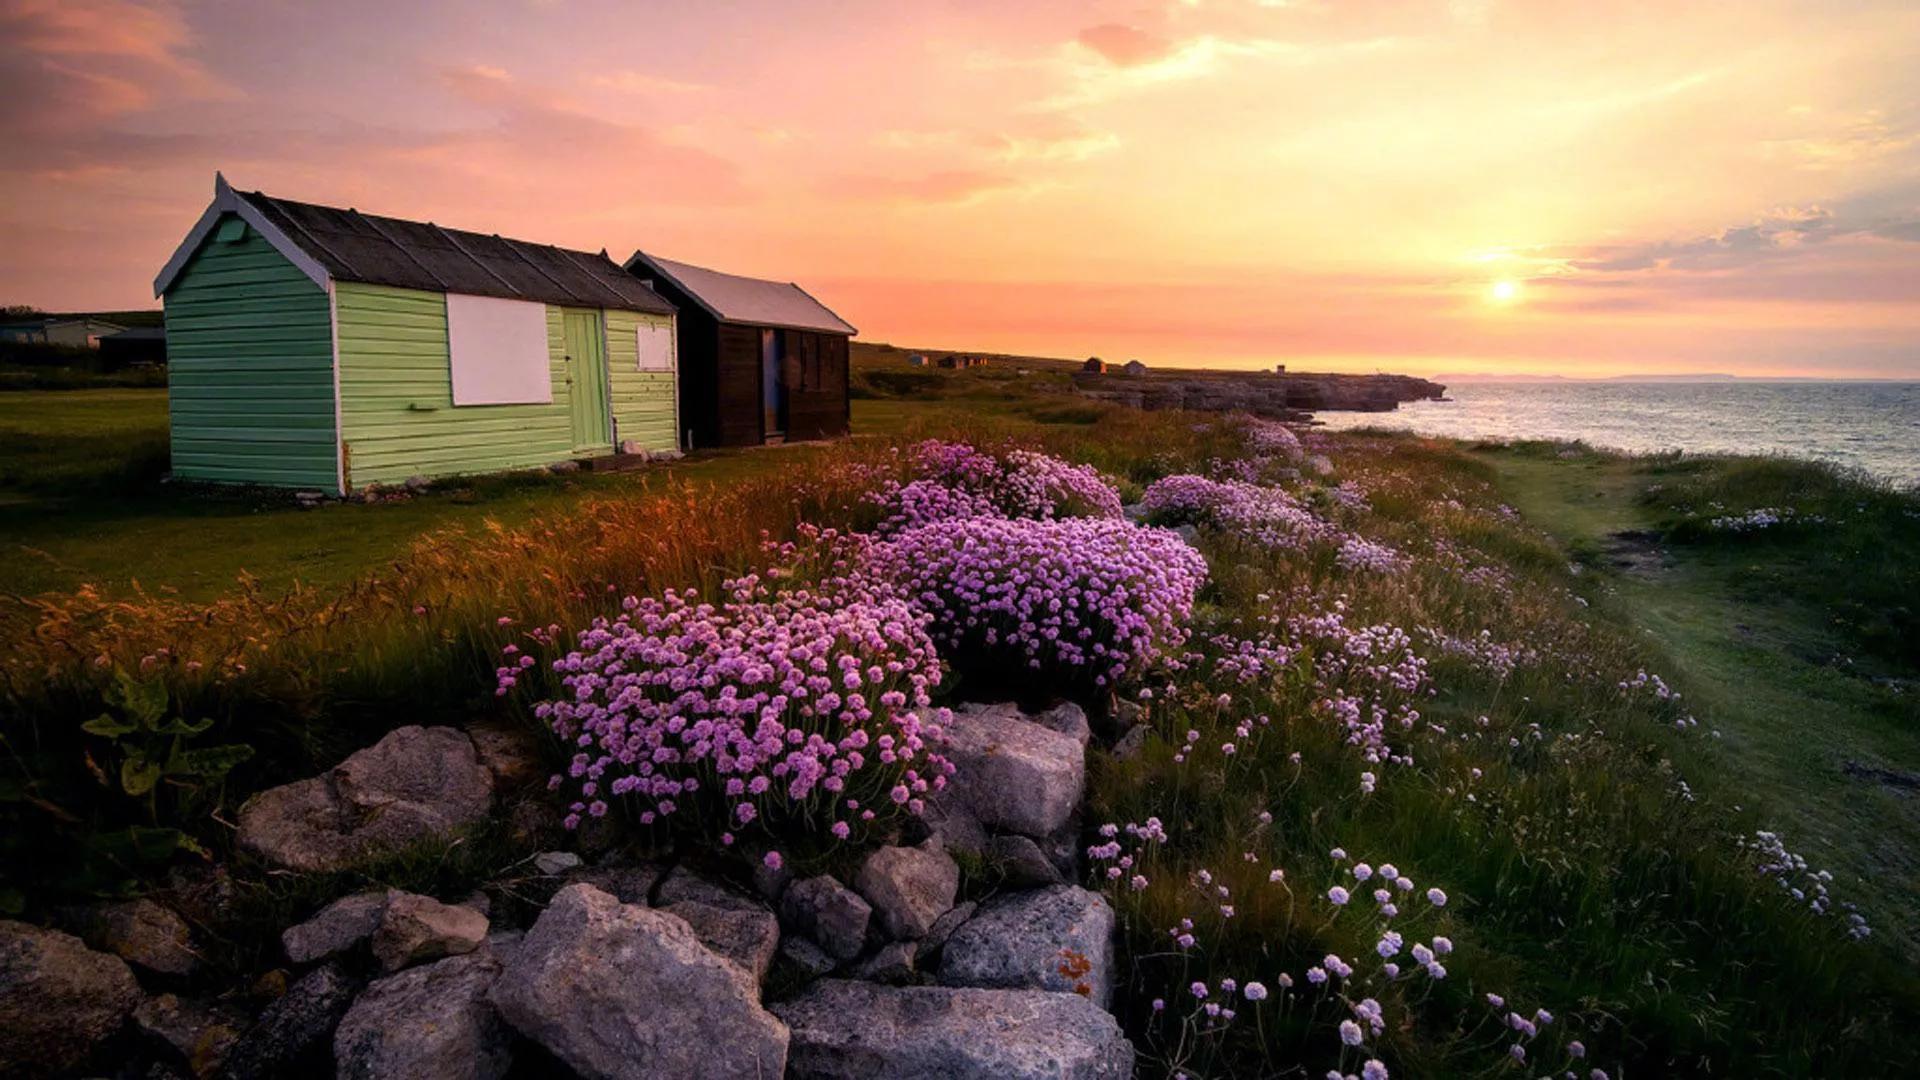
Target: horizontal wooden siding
[
  {"x": 643, "y": 401},
  {"x": 250, "y": 369},
  {"x": 396, "y": 396}
]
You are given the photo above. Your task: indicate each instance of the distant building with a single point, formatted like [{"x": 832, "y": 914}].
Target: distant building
[
  {"x": 1279, "y": 369},
  {"x": 917, "y": 360},
  {"x": 83, "y": 332},
  {"x": 1094, "y": 366},
  {"x": 138, "y": 346},
  {"x": 1134, "y": 367},
  {"x": 961, "y": 361}
]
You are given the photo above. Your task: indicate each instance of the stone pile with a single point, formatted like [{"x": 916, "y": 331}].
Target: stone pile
[{"x": 631, "y": 969}]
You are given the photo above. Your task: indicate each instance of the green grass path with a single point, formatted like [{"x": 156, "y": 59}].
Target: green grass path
[{"x": 1757, "y": 661}]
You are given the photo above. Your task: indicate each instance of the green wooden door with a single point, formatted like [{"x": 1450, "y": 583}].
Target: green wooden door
[{"x": 587, "y": 380}]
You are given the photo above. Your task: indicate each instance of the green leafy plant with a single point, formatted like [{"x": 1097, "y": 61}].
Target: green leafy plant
[{"x": 151, "y": 748}]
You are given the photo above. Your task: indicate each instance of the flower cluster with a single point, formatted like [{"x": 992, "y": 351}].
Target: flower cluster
[
  {"x": 1042, "y": 486},
  {"x": 957, "y": 480},
  {"x": 919, "y": 502},
  {"x": 1361, "y": 555},
  {"x": 765, "y": 707},
  {"x": 1267, "y": 516},
  {"x": 1801, "y": 882},
  {"x": 1651, "y": 683},
  {"x": 1086, "y": 597},
  {"x": 1124, "y": 862},
  {"x": 1481, "y": 650},
  {"x": 1267, "y": 438},
  {"x": 1765, "y": 517}
]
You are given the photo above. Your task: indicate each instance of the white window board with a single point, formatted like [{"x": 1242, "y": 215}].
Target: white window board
[
  {"x": 653, "y": 347},
  {"x": 497, "y": 350}
]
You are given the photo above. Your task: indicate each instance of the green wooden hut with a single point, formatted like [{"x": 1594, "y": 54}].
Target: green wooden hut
[{"x": 327, "y": 349}]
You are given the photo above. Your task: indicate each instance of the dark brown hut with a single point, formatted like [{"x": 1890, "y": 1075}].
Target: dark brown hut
[{"x": 760, "y": 361}]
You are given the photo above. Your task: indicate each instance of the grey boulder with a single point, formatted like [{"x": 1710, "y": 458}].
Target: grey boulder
[
  {"x": 144, "y": 934},
  {"x": 336, "y": 928},
  {"x": 1058, "y": 938},
  {"x": 556, "y": 863},
  {"x": 432, "y": 1022},
  {"x": 58, "y": 999},
  {"x": 619, "y": 990},
  {"x": 943, "y": 927},
  {"x": 682, "y": 885},
  {"x": 415, "y": 786},
  {"x": 630, "y": 884},
  {"x": 750, "y": 937},
  {"x": 296, "y": 1029},
  {"x": 892, "y": 963},
  {"x": 845, "y": 1030},
  {"x": 1011, "y": 773},
  {"x": 1021, "y": 863},
  {"x": 834, "y": 916},
  {"x": 809, "y": 959},
  {"x": 909, "y": 887},
  {"x": 415, "y": 928},
  {"x": 1067, "y": 719},
  {"x": 196, "y": 1034}
]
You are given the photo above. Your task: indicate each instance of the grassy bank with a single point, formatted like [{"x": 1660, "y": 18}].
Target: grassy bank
[
  {"x": 1800, "y": 641},
  {"x": 1406, "y": 652}
]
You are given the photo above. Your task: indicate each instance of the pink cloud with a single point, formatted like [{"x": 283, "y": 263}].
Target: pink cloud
[
  {"x": 1124, "y": 46},
  {"x": 144, "y": 41}
]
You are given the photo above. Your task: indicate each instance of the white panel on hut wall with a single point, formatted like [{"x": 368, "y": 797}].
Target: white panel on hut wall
[
  {"x": 497, "y": 351},
  {"x": 653, "y": 347}
]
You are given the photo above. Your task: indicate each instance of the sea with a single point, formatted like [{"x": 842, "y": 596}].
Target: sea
[{"x": 1870, "y": 426}]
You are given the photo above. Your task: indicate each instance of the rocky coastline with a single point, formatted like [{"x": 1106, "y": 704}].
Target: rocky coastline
[{"x": 1290, "y": 396}]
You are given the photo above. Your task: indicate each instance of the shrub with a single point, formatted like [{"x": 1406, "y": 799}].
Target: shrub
[
  {"x": 1267, "y": 438},
  {"x": 1083, "y": 599},
  {"x": 1042, "y": 486},
  {"x": 1268, "y": 516},
  {"x": 768, "y": 711},
  {"x": 954, "y": 480}
]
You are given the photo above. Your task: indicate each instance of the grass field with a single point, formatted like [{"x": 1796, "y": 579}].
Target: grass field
[
  {"x": 1818, "y": 708},
  {"x": 1588, "y": 836},
  {"x": 81, "y": 502}
]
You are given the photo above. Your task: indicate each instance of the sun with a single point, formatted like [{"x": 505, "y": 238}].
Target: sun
[{"x": 1504, "y": 291}]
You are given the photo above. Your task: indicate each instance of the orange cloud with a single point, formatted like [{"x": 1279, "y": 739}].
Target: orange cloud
[
  {"x": 946, "y": 186},
  {"x": 1220, "y": 182}
]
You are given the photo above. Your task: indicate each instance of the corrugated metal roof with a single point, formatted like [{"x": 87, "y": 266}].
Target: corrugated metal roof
[
  {"x": 732, "y": 298},
  {"x": 420, "y": 255}
]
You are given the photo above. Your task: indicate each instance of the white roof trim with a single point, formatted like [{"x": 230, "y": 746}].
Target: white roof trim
[{"x": 228, "y": 201}]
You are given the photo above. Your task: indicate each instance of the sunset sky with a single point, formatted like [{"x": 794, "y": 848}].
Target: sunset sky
[{"x": 1478, "y": 186}]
